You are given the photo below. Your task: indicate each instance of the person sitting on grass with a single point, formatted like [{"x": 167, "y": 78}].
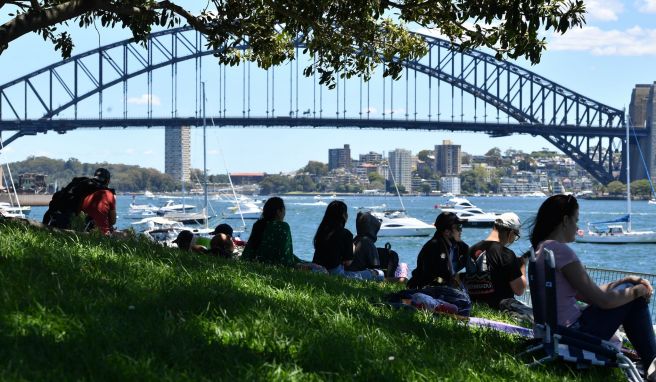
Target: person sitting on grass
[
  {"x": 221, "y": 245},
  {"x": 493, "y": 272},
  {"x": 225, "y": 229},
  {"x": 333, "y": 243},
  {"x": 271, "y": 238},
  {"x": 365, "y": 253},
  {"x": 442, "y": 256}
]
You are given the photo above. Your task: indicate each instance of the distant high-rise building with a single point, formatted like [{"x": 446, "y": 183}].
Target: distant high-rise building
[
  {"x": 339, "y": 158},
  {"x": 400, "y": 165},
  {"x": 642, "y": 115},
  {"x": 448, "y": 158},
  {"x": 371, "y": 157},
  {"x": 177, "y": 157}
]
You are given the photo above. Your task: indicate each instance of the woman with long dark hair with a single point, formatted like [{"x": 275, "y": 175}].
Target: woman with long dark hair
[
  {"x": 271, "y": 238},
  {"x": 333, "y": 243},
  {"x": 623, "y": 302}
]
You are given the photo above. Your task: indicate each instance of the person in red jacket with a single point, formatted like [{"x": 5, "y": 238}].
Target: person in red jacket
[{"x": 100, "y": 206}]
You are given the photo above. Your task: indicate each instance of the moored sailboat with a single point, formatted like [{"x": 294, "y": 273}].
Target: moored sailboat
[{"x": 617, "y": 231}]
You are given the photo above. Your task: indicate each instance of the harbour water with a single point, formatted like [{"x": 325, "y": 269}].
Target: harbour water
[{"x": 304, "y": 215}]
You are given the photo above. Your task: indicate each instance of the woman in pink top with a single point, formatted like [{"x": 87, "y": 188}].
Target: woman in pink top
[{"x": 608, "y": 306}]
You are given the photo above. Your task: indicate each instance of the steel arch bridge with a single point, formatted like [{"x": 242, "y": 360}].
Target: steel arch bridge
[{"x": 50, "y": 99}]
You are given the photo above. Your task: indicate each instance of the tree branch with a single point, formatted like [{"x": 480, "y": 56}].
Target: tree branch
[
  {"x": 37, "y": 19},
  {"x": 191, "y": 19}
]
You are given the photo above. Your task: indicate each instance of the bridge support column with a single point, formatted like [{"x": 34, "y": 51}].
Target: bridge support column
[
  {"x": 177, "y": 156},
  {"x": 642, "y": 115}
]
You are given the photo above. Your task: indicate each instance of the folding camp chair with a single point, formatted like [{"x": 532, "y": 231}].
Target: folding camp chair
[{"x": 562, "y": 343}]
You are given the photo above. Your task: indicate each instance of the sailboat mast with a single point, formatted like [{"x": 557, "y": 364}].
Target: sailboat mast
[
  {"x": 627, "y": 158},
  {"x": 204, "y": 155}
]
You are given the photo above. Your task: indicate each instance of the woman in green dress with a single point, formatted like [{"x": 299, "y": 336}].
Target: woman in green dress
[{"x": 271, "y": 239}]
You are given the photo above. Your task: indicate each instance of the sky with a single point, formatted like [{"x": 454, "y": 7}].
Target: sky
[{"x": 615, "y": 50}]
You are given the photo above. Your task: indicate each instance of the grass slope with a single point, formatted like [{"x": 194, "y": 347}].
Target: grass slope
[{"x": 90, "y": 308}]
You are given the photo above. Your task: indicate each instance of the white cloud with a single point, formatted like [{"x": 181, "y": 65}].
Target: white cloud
[
  {"x": 634, "y": 41},
  {"x": 130, "y": 151},
  {"x": 8, "y": 149},
  {"x": 371, "y": 110},
  {"x": 148, "y": 152},
  {"x": 604, "y": 10},
  {"x": 213, "y": 152},
  {"x": 647, "y": 6},
  {"x": 143, "y": 100}
]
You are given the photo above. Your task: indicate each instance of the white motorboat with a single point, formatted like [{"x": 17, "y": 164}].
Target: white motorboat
[
  {"x": 172, "y": 206},
  {"x": 246, "y": 210},
  {"x": 398, "y": 223},
  {"x": 465, "y": 210},
  {"x": 9, "y": 209},
  {"x": 534, "y": 194},
  {"x": 617, "y": 231},
  {"x": 475, "y": 217},
  {"x": 143, "y": 207},
  {"x": 455, "y": 204},
  {"x": 187, "y": 217}
]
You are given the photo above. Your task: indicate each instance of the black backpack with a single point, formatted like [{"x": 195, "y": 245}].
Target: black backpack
[
  {"x": 389, "y": 259},
  {"x": 67, "y": 202}
]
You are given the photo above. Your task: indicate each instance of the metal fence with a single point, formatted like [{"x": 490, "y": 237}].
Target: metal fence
[{"x": 604, "y": 276}]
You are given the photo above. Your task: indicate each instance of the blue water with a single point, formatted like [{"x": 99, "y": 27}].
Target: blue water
[{"x": 304, "y": 217}]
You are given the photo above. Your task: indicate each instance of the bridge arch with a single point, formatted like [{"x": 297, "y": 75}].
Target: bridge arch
[{"x": 522, "y": 95}]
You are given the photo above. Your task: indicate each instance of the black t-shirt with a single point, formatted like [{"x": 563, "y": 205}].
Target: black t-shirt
[
  {"x": 331, "y": 252},
  {"x": 490, "y": 269}
]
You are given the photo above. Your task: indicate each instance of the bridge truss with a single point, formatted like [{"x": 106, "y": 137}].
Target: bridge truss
[{"x": 448, "y": 89}]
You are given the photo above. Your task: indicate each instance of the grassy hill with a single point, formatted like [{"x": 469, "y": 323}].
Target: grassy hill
[{"x": 90, "y": 308}]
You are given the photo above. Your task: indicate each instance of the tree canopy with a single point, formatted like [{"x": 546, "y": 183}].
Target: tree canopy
[{"x": 329, "y": 30}]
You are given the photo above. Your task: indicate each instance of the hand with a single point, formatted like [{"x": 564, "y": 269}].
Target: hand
[
  {"x": 640, "y": 290},
  {"x": 640, "y": 281}
]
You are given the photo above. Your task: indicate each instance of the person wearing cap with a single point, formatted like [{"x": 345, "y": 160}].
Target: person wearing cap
[
  {"x": 493, "y": 272},
  {"x": 100, "y": 205},
  {"x": 442, "y": 256}
]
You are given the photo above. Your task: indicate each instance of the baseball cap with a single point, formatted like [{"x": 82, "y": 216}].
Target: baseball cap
[
  {"x": 509, "y": 220},
  {"x": 184, "y": 237},
  {"x": 446, "y": 219},
  {"x": 222, "y": 228},
  {"x": 102, "y": 174}
]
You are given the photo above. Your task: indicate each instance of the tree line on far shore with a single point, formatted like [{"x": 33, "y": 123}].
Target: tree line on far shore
[{"x": 125, "y": 178}]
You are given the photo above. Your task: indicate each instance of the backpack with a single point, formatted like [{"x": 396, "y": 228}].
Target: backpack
[
  {"x": 67, "y": 202},
  {"x": 478, "y": 278},
  {"x": 389, "y": 260}
]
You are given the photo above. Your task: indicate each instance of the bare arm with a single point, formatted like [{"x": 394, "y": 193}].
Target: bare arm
[
  {"x": 605, "y": 298},
  {"x": 518, "y": 285}
]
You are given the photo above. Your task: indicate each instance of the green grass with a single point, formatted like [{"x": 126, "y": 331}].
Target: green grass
[{"x": 92, "y": 308}]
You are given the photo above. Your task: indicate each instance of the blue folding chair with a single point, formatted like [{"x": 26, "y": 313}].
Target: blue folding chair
[{"x": 560, "y": 342}]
